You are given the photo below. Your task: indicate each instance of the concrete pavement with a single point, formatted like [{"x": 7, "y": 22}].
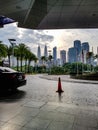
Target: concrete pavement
[{"x": 37, "y": 106}]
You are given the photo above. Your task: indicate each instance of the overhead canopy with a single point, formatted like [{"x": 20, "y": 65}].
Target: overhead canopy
[{"x": 52, "y": 14}]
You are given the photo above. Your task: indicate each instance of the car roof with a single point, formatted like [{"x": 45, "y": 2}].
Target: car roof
[{"x": 7, "y": 69}]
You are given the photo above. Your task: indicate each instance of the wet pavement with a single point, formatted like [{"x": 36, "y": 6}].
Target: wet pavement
[{"x": 37, "y": 105}]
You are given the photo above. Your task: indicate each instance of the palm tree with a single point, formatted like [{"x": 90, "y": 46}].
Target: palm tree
[
  {"x": 27, "y": 53},
  {"x": 31, "y": 57},
  {"x": 17, "y": 55},
  {"x": 35, "y": 59},
  {"x": 43, "y": 58},
  {"x": 22, "y": 48},
  {"x": 90, "y": 58},
  {"x": 3, "y": 52},
  {"x": 89, "y": 55},
  {"x": 50, "y": 57}
]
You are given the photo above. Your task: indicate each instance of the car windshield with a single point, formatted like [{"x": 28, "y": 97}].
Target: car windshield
[{"x": 6, "y": 69}]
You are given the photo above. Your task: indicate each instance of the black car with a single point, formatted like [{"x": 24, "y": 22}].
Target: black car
[{"x": 11, "y": 79}]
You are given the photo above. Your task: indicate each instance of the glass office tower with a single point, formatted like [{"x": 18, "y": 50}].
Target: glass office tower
[
  {"x": 63, "y": 56},
  {"x": 72, "y": 55}
]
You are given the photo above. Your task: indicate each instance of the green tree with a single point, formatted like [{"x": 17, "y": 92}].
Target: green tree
[
  {"x": 67, "y": 67},
  {"x": 96, "y": 68},
  {"x": 57, "y": 70},
  {"x": 76, "y": 68},
  {"x": 50, "y": 64},
  {"x": 50, "y": 58},
  {"x": 3, "y": 52},
  {"x": 43, "y": 58},
  {"x": 31, "y": 57},
  {"x": 89, "y": 55},
  {"x": 22, "y": 48},
  {"x": 26, "y": 57},
  {"x": 17, "y": 55}
]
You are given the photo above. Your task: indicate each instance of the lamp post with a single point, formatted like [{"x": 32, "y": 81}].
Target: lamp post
[{"x": 12, "y": 42}]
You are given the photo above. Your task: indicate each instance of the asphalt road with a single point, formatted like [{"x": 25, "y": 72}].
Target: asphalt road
[{"x": 37, "y": 106}]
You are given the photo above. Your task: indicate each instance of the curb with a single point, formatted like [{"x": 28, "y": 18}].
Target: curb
[{"x": 69, "y": 80}]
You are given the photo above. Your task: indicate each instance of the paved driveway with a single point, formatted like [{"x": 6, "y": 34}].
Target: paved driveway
[{"x": 37, "y": 106}]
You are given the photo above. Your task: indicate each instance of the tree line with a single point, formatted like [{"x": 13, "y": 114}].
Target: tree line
[{"x": 21, "y": 52}]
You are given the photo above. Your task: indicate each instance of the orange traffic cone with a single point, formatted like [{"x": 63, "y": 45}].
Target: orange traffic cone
[{"x": 59, "y": 86}]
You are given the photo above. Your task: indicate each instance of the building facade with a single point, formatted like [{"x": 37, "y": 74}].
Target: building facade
[
  {"x": 63, "y": 57},
  {"x": 55, "y": 55},
  {"x": 85, "y": 46},
  {"x": 77, "y": 45},
  {"x": 39, "y": 55},
  {"x": 72, "y": 55},
  {"x": 84, "y": 51},
  {"x": 45, "y": 51}
]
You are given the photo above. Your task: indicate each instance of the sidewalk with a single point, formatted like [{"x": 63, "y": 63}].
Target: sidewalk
[{"x": 66, "y": 78}]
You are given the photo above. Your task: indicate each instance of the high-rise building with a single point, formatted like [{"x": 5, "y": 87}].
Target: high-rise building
[
  {"x": 55, "y": 53},
  {"x": 72, "y": 55},
  {"x": 63, "y": 56},
  {"x": 39, "y": 53},
  {"x": 84, "y": 51},
  {"x": 45, "y": 51},
  {"x": 85, "y": 46},
  {"x": 77, "y": 45}
]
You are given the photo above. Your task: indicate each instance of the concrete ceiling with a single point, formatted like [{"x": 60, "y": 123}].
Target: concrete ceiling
[{"x": 52, "y": 14}]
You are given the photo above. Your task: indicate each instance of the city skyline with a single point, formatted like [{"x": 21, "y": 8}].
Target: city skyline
[
  {"x": 82, "y": 46},
  {"x": 77, "y": 53},
  {"x": 61, "y": 38}
]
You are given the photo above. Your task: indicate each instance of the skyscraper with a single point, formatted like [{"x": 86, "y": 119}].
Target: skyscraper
[
  {"x": 45, "y": 51},
  {"x": 39, "y": 53},
  {"x": 63, "y": 56},
  {"x": 77, "y": 45},
  {"x": 85, "y": 46},
  {"x": 72, "y": 55},
  {"x": 84, "y": 51},
  {"x": 55, "y": 55}
]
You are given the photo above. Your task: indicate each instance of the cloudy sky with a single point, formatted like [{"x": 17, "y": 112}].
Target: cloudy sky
[{"x": 63, "y": 39}]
